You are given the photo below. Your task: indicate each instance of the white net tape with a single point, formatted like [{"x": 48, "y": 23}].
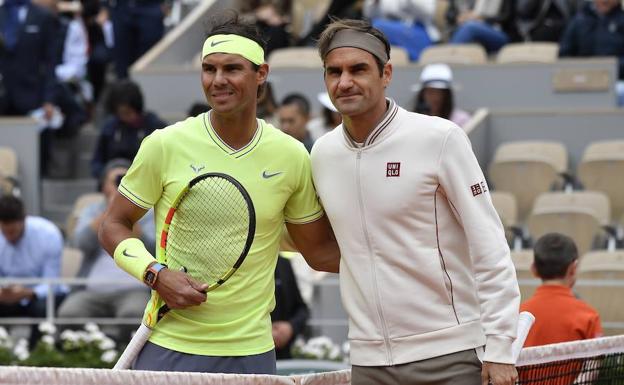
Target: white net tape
[
  {"x": 18, "y": 375},
  {"x": 15, "y": 375},
  {"x": 571, "y": 350}
]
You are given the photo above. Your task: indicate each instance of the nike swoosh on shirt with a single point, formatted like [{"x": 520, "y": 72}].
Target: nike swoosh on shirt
[
  {"x": 215, "y": 43},
  {"x": 267, "y": 175},
  {"x": 125, "y": 253}
]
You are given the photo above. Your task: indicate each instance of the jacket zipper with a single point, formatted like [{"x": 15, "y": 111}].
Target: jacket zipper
[{"x": 370, "y": 252}]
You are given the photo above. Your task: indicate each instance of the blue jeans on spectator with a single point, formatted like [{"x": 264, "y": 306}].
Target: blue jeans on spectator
[
  {"x": 413, "y": 37},
  {"x": 479, "y": 32}
]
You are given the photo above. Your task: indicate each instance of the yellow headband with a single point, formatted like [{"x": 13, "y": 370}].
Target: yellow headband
[{"x": 234, "y": 44}]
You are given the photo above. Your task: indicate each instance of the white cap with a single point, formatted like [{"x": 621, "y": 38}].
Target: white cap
[
  {"x": 324, "y": 99},
  {"x": 436, "y": 76}
]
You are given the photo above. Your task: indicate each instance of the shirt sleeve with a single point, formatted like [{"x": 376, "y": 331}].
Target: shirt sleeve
[
  {"x": 595, "y": 327},
  {"x": 497, "y": 288},
  {"x": 53, "y": 252},
  {"x": 303, "y": 205},
  {"x": 142, "y": 184},
  {"x": 85, "y": 238}
]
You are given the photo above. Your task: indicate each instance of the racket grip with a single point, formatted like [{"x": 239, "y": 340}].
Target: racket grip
[
  {"x": 525, "y": 322},
  {"x": 134, "y": 347}
]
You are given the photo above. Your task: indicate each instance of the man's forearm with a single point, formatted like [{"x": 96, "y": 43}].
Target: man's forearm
[{"x": 325, "y": 257}]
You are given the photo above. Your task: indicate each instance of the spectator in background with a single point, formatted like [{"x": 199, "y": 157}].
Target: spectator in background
[
  {"x": 267, "y": 106},
  {"x": 597, "y": 30},
  {"x": 122, "y": 132},
  {"x": 272, "y": 18},
  {"x": 101, "y": 42},
  {"x": 126, "y": 297},
  {"x": 487, "y": 22},
  {"x": 435, "y": 97},
  {"x": 28, "y": 55},
  {"x": 543, "y": 20},
  {"x": 294, "y": 114},
  {"x": 329, "y": 119},
  {"x": 406, "y": 23},
  {"x": 290, "y": 315},
  {"x": 559, "y": 315},
  {"x": 137, "y": 26},
  {"x": 197, "y": 108},
  {"x": 30, "y": 247},
  {"x": 72, "y": 92}
]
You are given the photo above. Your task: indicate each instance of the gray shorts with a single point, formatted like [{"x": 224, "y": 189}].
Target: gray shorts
[
  {"x": 461, "y": 368},
  {"x": 157, "y": 358}
]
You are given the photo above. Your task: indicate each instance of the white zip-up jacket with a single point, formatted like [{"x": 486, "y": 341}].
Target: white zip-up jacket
[{"x": 425, "y": 268}]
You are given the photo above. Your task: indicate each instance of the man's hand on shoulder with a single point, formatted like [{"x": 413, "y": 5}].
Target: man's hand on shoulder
[{"x": 498, "y": 374}]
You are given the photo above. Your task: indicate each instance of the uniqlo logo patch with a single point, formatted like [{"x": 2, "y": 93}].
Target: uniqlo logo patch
[
  {"x": 393, "y": 169},
  {"x": 478, "y": 188}
]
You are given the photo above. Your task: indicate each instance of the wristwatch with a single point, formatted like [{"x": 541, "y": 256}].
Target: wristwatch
[{"x": 151, "y": 274}]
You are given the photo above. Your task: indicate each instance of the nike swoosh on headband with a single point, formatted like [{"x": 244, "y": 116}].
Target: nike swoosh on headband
[{"x": 215, "y": 43}]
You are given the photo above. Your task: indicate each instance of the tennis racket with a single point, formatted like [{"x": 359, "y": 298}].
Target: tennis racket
[{"x": 207, "y": 233}]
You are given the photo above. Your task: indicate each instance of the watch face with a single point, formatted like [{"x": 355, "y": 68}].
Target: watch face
[{"x": 149, "y": 277}]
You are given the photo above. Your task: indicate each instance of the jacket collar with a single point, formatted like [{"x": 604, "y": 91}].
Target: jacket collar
[{"x": 379, "y": 132}]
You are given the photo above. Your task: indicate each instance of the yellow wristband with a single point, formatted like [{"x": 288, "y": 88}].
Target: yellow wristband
[{"x": 132, "y": 256}]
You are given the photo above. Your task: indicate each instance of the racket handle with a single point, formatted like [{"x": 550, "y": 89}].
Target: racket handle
[
  {"x": 134, "y": 347},
  {"x": 525, "y": 321}
]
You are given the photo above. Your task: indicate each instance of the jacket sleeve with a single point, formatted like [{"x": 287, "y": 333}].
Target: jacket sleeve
[{"x": 497, "y": 288}]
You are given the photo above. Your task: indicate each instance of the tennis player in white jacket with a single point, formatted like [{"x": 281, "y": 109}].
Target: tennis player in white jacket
[{"x": 426, "y": 275}]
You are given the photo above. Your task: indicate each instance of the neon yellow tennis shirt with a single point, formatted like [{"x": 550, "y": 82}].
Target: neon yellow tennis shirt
[{"x": 275, "y": 169}]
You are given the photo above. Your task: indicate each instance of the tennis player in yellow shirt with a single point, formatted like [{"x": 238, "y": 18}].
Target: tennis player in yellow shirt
[{"x": 228, "y": 330}]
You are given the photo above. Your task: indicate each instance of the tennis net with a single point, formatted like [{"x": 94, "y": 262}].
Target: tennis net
[{"x": 597, "y": 361}]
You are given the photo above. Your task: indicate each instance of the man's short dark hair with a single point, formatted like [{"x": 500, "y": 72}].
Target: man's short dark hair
[
  {"x": 124, "y": 92},
  {"x": 357, "y": 25},
  {"x": 11, "y": 209},
  {"x": 298, "y": 100},
  {"x": 553, "y": 254}
]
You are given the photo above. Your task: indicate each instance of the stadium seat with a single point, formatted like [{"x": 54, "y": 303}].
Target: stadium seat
[
  {"x": 601, "y": 284},
  {"x": 301, "y": 57},
  {"x": 535, "y": 52},
  {"x": 601, "y": 169},
  {"x": 71, "y": 261},
  {"x": 507, "y": 209},
  {"x": 522, "y": 260},
  {"x": 579, "y": 215},
  {"x": 527, "y": 169},
  {"x": 80, "y": 203},
  {"x": 399, "y": 56},
  {"x": 453, "y": 54},
  {"x": 8, "y": 171},
  {"x": 8, "y": 162}
]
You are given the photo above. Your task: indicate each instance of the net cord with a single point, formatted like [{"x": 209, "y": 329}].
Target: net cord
[{"x": 571, "y": 350}]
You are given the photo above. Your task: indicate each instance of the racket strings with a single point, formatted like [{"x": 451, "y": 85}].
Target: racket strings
[{"x": 209, "y": 230}]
